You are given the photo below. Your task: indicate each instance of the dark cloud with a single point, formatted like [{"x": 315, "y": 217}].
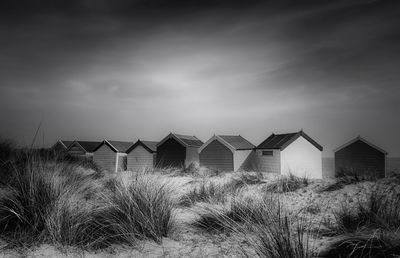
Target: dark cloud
[{"x": 200, "y": 67}]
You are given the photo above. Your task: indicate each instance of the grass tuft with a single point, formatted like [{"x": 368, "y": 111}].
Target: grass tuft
[
  {"x": 344, "y": 179},
  {"x": 51, "y": 200},
  {"x": 138, "y": 210},
  {"x": 211, "y": 192},
  {"x": 33, "y": 190},
  {"x": 376, "y": 244},
  {"x": 207, "y": 191},
  {"x": 262, "y": 224},
  {"x": 381, "y": 209},
  {"x": 288, "y": 183}
]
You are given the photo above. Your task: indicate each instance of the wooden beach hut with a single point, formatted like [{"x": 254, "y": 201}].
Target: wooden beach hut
[
  {"x": 82, "y": 148},
  {"x": 295, "y": 153},
  {"x": 177, "y": 150},
  {"x": 141, "y": 155},
  {"x": 225, "y": 152},
  {"x": 111, "y": 155},
  {"x": 361, "y": 157}
]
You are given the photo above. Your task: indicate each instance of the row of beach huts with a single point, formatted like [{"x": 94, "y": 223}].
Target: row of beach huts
[{"x": 295, "y": 153}]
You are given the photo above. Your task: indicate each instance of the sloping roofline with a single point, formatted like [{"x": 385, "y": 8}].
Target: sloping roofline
[
  {"x": 173, "y": 135},
  {"x": 62, "y": 143},
  {"x": 79, "y": 145},
  {"x": 359, "y": 138},
  {"x": 221, "y": 140},
  {"x": 106, "y": 143},
  {"x": 292, "y": 139},
  {"x": 109, "y": 144},
  {"x": 137, "y": 143}
]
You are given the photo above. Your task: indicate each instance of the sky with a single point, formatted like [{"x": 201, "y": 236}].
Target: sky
[{"x": 123, "y": 70}]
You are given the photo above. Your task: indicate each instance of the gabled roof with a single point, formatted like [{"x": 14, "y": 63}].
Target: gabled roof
[
  {"x": 237, "y": 142},
  {"x": 190, "y": 140},
  {"x": 233, "y": 142},
  {"x": 117, "y": 146},
  {"x": 281, "y": 141},
  {"x": 87, "y": 146},
  {"x": 359, "y": 138},
  {"x": 65, "y": 144},
  {"x": 150, "y": 146},
  {"x": 185, "y": 140}
]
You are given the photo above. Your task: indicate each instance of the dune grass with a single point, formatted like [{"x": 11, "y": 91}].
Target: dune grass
[
  {"x": 212, "y": 192},
  {"x": 288, "y": 183},
  {"x": 346, "y": 178},
  {"x": 369, "y": 229},
  {"x": 206, "y": 191},
  {"x": 371, "y": 244},
  {"x": 34, "y": 189},
  {"x": 137, "y": 210},
  {"x": 261, "y": 224},
  {"x": 50, "y": 201},
  {"x": 380, "y": 210}
]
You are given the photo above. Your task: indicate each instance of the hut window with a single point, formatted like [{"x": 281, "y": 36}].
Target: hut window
[{"x": 267, "y": 153}]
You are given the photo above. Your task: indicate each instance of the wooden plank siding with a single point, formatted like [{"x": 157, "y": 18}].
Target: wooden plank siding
[
  {"x": 139, "y": 159},
  {"x": 265, "y": 163},
  {"x": 361, "y": 158},
  {"x": 171, "y": 154},
  {"x": 217, "y": 156},
  {"x": 105, "y": 158}
]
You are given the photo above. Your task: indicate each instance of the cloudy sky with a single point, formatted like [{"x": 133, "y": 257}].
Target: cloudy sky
[{"x": 122, "y": 70}]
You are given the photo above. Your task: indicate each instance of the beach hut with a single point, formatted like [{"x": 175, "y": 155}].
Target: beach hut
[
  {"x": 177, "y": 150},
  {"x": 361, "y": 157},
  {"x": 111, "y": 155},
  {"x": 61, "y": 146},
  {"x": 82, "y": 148},
  {"x": 291, "y": 153},
  {"x": 141, "y": 155},
  {"x": 225, "y": 152}
]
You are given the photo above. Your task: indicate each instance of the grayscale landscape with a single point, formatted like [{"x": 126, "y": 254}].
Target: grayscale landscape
[{"x": 200, "y": 128}]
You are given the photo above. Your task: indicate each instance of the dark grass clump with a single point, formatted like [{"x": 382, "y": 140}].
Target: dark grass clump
[
  {"x": 51, "y": 201},
  {"x": 381, "y": 210},
  {"x": 240, "y": 210},
  {"x": 7, "y": 153},
  {"x": 286, "y": 184},
  {"x": 378, "y": 244},
  {"x": 282, "y": 238},
  {"x": 262, "y": 224},
  {"x": 33, "y": 190},
  {"x": 125, "y": 212},
  {"x": 7, "y": 150},
  {"x": 370, "y": 229},
  {"x": 237, "y": 213}
]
